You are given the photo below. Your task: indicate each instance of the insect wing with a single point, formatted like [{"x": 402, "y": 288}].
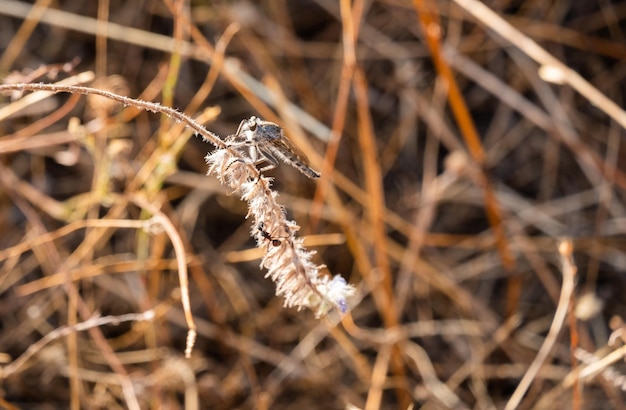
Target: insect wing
[
  {"x": 292, "y": 155},
  {"x": 290, "y": 148},
  {"x": 274, "y": 135}
]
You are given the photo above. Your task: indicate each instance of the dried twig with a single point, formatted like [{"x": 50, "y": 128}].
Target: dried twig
[{"x": 569, "y": 273}]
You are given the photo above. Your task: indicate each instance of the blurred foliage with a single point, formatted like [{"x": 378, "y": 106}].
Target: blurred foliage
[{"x": 401, "y": 210}]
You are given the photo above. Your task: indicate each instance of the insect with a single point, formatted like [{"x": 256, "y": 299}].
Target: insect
[
  {"x": 267, "y": 142},
  {"x": 267, "y": 236}
]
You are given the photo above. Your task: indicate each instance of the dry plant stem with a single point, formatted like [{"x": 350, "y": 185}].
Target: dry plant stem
[
  {"x": 378, "y": 378},
  {"x": 23, "y": 139},
  {"x": 172, "y": 113},
  {"x": 432, "y": 31},
  {"x": 432, "y": 189},
  {"x": 288, "y": 264},
  {"x": 496, "y": 340},
  {"x": 181, "y": 259},
  {"x": 598, "y": 366},
  {"x": 375, "y": 213},
  {"x": 34, "y": 98},
  {"x": 32, "y": 194},
  {"x": 167, "y": 92},
  {"x": 101, "y": 38},
  {"x": 586, "y": 156},
  {"x": 22, "y": 35},
  {"x": 583, "y": 40},
  {"x": 581, "y": 373},
  {"x": 350, "y": 30},
  {"x": 150, "y": 92},
  {"x": 569, "y": 273},
  {"x": 51, "y": 256},
  {"x": 98, "y": 269},
  {"x": 126, "y": 101},
  {"x": 496, "y": 23},
  {"x": 573, "y": 345},
  {"x": 292, "y": 364},
  {"x": 214, "y": 72},
  {"x": 17, "y": 364},
  {"x": 438, "y": 389},
  {"x": 255, "y": 92},
  {"x": 38, "y": 240},
  {"x": 201, "y": 52},
  {"x": 591, "y": 163},
  {"x": 76, "y": 305},
  {"x": 178, "y": 369}
]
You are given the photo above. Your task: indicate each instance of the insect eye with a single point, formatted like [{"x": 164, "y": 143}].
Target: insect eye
[{"x": 252, "y": 123}]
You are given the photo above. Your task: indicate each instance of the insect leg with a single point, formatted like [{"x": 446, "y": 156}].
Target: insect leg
[{"x": 267, "y": 156}]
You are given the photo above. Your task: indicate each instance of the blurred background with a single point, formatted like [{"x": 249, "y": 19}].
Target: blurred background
[{"x": 453, "y": 161}]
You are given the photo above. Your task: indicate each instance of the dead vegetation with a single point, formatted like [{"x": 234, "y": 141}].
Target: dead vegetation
[{"x": 472, "y": 190}]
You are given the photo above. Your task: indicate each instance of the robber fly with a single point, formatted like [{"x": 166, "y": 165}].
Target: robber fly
[{"x": 267, "y": 142}]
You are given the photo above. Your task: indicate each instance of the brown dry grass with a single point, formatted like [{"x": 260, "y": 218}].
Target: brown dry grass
[{"x": 457, "y": 144}]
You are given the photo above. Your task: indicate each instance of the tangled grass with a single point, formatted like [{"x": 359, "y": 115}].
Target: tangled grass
[{"x": 470, "y": 191}]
